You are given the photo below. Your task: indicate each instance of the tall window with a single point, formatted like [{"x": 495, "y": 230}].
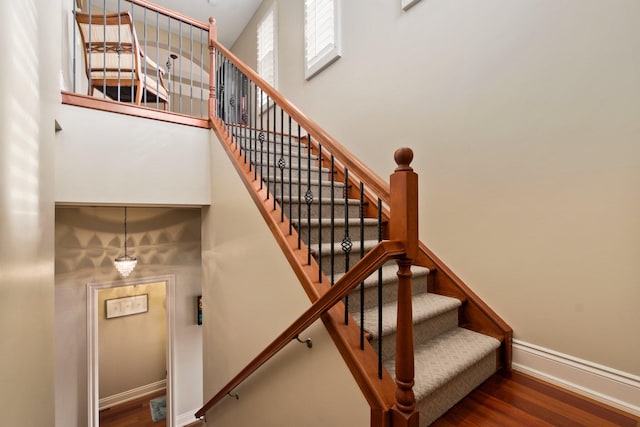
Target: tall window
[
  {"x": 321, "y": 35},
  {"x": 267, "y": 48}
]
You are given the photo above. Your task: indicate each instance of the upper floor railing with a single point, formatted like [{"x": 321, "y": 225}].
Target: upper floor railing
[{"x": 138, "y": 53}]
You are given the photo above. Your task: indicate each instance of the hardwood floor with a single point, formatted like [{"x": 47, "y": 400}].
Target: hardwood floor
[
  {"x": 504, "y": 400},
  {"x": 514, "y": 399},
  {"x": 135, "y": 413}
]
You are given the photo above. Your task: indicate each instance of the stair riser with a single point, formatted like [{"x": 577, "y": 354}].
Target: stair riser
[
  {"x": 277, "y": 188},
  {"x": 433, "y": 406},
  {"x": 255, "y": 143},
  {"x": 317, "y": 209},
  {"x": 273, "y": 154},
  {"x": 422, "y": 332},
  {"x": 389, "y": 293},
  {"x": 251, "y": 137},
  {"x": 339, "y": 262},
  {"x": 370, "y": 232}
]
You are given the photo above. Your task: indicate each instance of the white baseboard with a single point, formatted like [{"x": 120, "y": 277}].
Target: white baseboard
[
  {"x": 128, "y": 395},
  {"x": 186, "y": 418},
  {"x": 607, "y": 385}
]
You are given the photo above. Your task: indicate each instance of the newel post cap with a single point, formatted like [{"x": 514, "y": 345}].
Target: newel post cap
[{"x": 403, "y": 157}]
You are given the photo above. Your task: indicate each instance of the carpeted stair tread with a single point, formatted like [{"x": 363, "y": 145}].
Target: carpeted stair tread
[
  {"x": 294, "y": 167},
  {"x": 440, "y": 359},
  {"x": 389, "y": 274},
  {"x": 425, "y": 306},
  {"x": 314, "y": 182},
  {"x": 338, "y": 222},
  {"x": 325, "y": 200}
]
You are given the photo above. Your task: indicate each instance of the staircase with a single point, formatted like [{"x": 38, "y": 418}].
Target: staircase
[{"x": 450, "y": 361}]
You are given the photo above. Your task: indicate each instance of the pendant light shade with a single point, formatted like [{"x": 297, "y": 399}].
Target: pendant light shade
[{"x": 125, "y": 264}]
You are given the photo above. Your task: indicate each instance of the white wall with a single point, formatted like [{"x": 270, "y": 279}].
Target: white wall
[
  {"x": 113, "y": 158},
  {"x": 250, "y": 296},
  {"x": 523, "y": 116},
  {"x": 165, "y": 241},
  {"x": 27, "y": 110}
]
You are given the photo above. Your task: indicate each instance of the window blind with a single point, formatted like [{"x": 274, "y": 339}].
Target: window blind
[{"x": 321, "y": 34}]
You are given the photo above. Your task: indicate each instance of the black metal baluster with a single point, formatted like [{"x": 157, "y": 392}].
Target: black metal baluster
[
  {"x": 361, "y": 256},
  {"x": 249, "y": 124},
  {"x": 255, "y": 124},
  {"x": 247, "y": 120},
  {"x": 261, "y": 138},
  {"x": 320, "y": 217},
  {"x": 333, "y": 219},
  {"x": 290, "y": 192},
  {"x": 281, "y": 163},
  {"x": 169, "y": 95},
  {"x": 299, "y": 201},
  {"x": 380, "y": 294},
  {"x": 243, "y": 118},
  {"x": 308, "y": 197},
  {"x": 275, "y": 145},
  {"x": 268, "y": 151},
  {"x": 346, "y": 244}
]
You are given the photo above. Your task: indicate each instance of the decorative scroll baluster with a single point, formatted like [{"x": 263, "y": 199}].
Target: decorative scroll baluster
[
  {"x": 281, "y": 163},
  {"x": 308, "y": 198},
  {"x": 255, "y": 124},
  {"x": 346, "y": 243},
  {"x": 333, "y": 219},
  {"x": 261, "y": 138}
]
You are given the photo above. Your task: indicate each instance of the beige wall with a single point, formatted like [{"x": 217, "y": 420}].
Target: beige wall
[
  {"x": 132, "y": 349},
  {"x": 113, "y": 158},
  {"x": 165, "y": 241},
  {"x": 250, "y": 296},
  {"x": 28, "y": 84},
  {"x": 524, "y": 121}
]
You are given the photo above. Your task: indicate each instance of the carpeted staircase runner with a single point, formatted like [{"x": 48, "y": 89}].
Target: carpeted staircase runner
[{"x": 450, "y": 361}]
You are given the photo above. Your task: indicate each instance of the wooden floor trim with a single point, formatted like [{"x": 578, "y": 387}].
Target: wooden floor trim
[{"x": 609, "y": 386}]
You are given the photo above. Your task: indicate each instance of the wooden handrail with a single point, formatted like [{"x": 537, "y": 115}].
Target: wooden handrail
[
  {"x": 362, "y": 171},
  {"x": 381, "y": 253},
  {"x": 170, "y": 13}
]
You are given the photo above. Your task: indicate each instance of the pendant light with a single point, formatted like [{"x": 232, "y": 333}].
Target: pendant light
[{"x": 125, "y": 264}]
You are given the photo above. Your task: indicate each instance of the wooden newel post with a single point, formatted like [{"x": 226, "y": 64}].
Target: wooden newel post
[
  {"x": 403, "y": 226},
  {"x": 213, "y": 37}
]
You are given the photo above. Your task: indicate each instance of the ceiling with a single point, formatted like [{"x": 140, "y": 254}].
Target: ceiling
[{"x": 231, "y": 15}]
